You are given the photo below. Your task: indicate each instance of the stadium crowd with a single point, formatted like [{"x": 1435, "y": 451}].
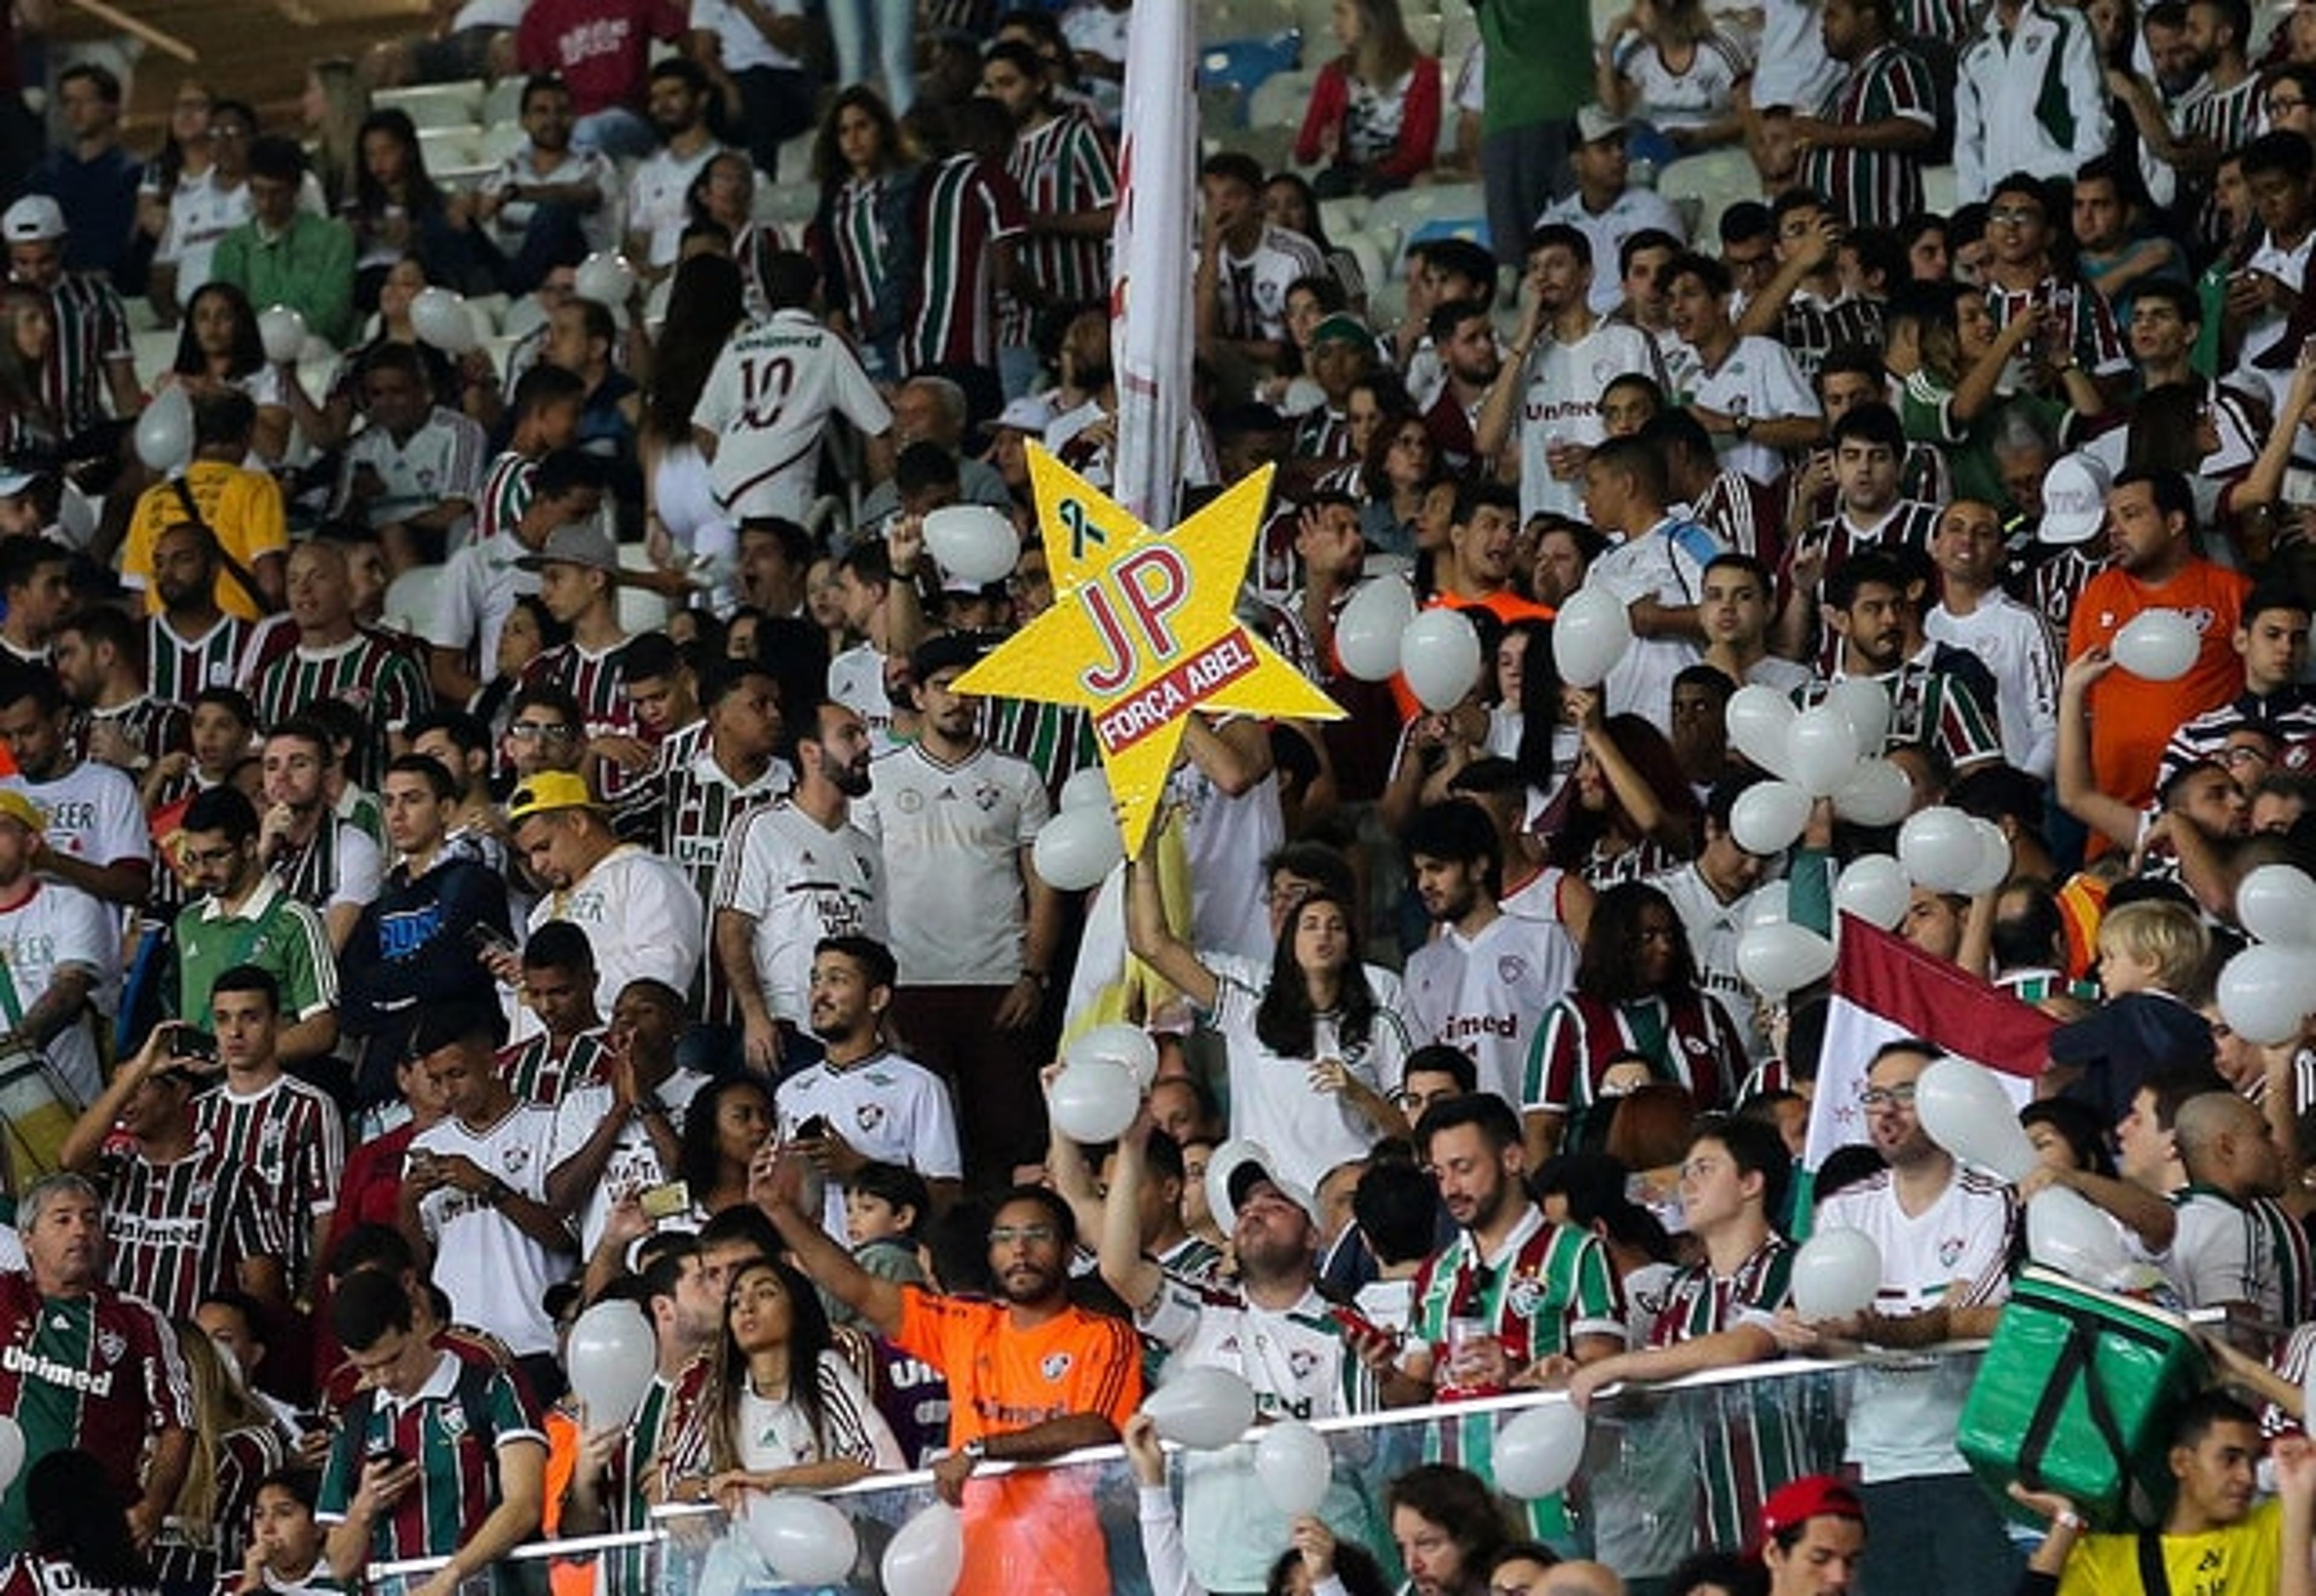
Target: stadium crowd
[{"x": 493, "y": 829}]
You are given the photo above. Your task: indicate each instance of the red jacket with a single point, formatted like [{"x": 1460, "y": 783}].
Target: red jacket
[{"x": 1419, "y": 124}]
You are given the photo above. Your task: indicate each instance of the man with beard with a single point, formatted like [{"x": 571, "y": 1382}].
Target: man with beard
[
  {"x": 1866, "y": 600},
  {"x": 191, "y": 642},
  {"x": 862, "y": 1102},
  {"x": 94, "y": 834},
  {"x": 1464, "y": 334},
  {"x": 333, "y": 657},
  {"x": 794, "y": 872},
  {"x": 2150, "y": 529},
  {"x": 1271, "y": 1326},
  {"x": 244, "y": 916},
  {"x": 1030, "y": 1376},
  {"x": 87, "y": 1366},
  {"x": 1945, "y": 1233},
  {"x": 639, "y": 912}
]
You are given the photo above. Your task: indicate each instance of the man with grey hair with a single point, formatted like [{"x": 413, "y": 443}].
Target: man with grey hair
[
  {"x": 83, "y": 1366},
  {"x": 928, "y": 409},
  {"x": 2228, "y": 1251}
]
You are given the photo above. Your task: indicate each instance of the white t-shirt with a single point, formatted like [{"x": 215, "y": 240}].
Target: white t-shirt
[
  {"x": 1666, "y": 564},
  {"x": 201, "y": 210},
  {"x": 775, "y": 1434},
  {"x": 1225, "y": 841},
  {"x": 767, "y": 401},
  {"x": 856, "y": 680},
  {"x": 1635, "y": 211},
  {"x": 799, "y": 882},
  {"x": 635, "y": 1162},
  {"x": 599, "y": 226},
  {"x": 739, "y": 41},
  {"x": 641, "y": 917},
  {"x": 656, "y": 206},
  {"x": 92, "y": 813},
  {"x": 1564, "y": 383},
  {"x": 2221, "y": 1254},
  {"x": 886, "y": 1107},
  {"x": 442, "y": 460},
  {"x": 1714, "y": 928},
  {"x": 1759, "y": 380},
  {"x": 60, "y": 928},
  {"x": 494, "y": 1274},
  {"x": 2016, "y": 645},
  {"x": 1486, "y": 994},
  {"x": 952, "y": 837},
  {"x": 1272, "y": 1101}
]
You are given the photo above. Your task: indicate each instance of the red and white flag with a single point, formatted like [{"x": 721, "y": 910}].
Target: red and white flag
[
  {"x": 1885, "y": 989},
  {"x": 1153, "y": 256}
]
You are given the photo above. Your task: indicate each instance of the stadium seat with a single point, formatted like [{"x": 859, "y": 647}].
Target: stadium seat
[
  {"x": 1459, "y": 31},
  {"x": 796, "y": 160},
  {"x": 499, "y": 140},
  {"x": 435, "y": 104},
  {"x": 153, "y": 352},
  {"x": 446, "y": 149},
  {"x": 503, "y": 104},
  {"x": 412, "y": 600},
  {"x": 1716, "y": 179},
  {"x": 1279, "y": 100},
  {"x": 1373, "y": 259},
  {"x": 639, "y": 610},
  {"x": 790, "y": 204},
  {"x": 1386, "y": 302},
  {"x": 1425, "y": 28},
  {"x": 1246, "y": 64},
  {"x": 1273, "y": 148},
  {"x": 1938, "y": 191},
  {"x": 1347, "y": 214},
  {"x": 1408, "y": 209},
  {"x": 142, "y": 316}
]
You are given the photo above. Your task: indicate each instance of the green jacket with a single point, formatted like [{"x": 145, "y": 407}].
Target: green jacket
[{"x": 310, "y": 268}]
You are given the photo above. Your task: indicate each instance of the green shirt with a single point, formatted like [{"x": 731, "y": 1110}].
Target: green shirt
[
  {"x": 1539, "y": 61},
  {"x": 310, "y": 267},
  {"x": 273, "y": 930}
]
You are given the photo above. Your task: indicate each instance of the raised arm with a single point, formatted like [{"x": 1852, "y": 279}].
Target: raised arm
[
  {"x": 1152, "y": 941},
  {"x": 1128, "y": 1269},
  {"x": 773, "y": 1182}
]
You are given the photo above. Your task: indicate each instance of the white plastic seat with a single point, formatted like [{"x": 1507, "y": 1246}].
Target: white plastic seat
[
  {"x": 450, "y": 148},
  {"x": 435, "y": 104},
  {"x": 1279, "y": 100},
  {"x": 1716, "y": 179},
  {"x": 414, "y": 600}
]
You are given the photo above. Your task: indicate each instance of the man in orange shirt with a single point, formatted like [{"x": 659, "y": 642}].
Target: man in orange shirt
[
  {"x": 2150, "y": 528},
  {"x": 1030, "y": 1376}
]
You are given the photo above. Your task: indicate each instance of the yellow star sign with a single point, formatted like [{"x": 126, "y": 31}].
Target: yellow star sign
[{"x": 1142, "y": 631}]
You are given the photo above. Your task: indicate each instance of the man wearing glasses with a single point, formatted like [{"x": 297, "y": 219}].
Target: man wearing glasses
[
  {"x": 245, "y": 917},
  {"x": 1945, "y": 1233}
]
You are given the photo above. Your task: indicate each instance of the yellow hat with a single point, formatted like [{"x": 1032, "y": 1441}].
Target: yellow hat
[
  {"x": 14, "y": 806},
  {"x": 547, "y": 792}
]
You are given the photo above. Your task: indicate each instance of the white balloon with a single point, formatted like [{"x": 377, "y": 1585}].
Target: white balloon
[
  {"x": 972, "y": 542},
  {"x": 1873, "y": 888},
  {"x": 1770, "y": 903},
  {"x": 1821, "y": 750},
  {"x": 1292, "y": 1463},
  {"x": 1094, "y": 1101},
  {"x": 2066, "y": 1233},
  {"x": 440, "y": 317},
  {"x": 281, "y": 330},
  {"x": 1875, "y": 793},
  {"x": 1088, "y": 790},
  {"x": 1866, "y": 704},
  {"x": 1204, "y": 1408},
  {"x": 2265, "y": 991},
  {"x": 1368, "y": 632},
  {"x": 2158, "y": 644},
  {"x": 1220, "y": 1162},
  {"x": 1836, "y": 1274},
  {"x": 1993, "y": 866},
  {"x": 928, "y": 1555},
  {"x": 1776, "y": 959},
  {"x": 1965, "y": 1109},
  {"x": 1939, "y": 848},
  {"x": 1590, "y": 635},
  {"x": 1076, "y": 849},
  {"x": 606, "y": 277},
  {"x": 1118, "y": 1043},
  {"x": 1758, "y": 719},
  {"x": 612, "y": 1357},
  {"x": 165, "y": 431},
  {"x": 1536, "y": 1453},
  {"x": 807, "y": 1541},
  {"x": 1768, "y": 816},
  {"x": 1440, "y": 655},
  {"x": 2276, "y": 903},
  {"x": 12, "y": 1452}
]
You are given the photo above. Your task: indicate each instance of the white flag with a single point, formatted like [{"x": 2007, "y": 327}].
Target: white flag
[{"x": 1153, "y": 255}]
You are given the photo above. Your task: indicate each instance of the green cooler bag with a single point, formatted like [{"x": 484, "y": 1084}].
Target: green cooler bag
[{"x": 2077, "y": 1396}]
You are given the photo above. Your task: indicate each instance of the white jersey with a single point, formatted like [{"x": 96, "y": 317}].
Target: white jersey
[
  {"x": 1757, "y": 379},
  {"x": 2220, "y": 1253},
  {"x": 599, "y": 226},
  {"x": 1306, "y": 1131},
  {"x": 1251, "y": 288},
  {"x": 2016, "y": 645},
  {"x": 1634, "y": 211},
  {"x": 657, "y": 205},
  {"x": 641, "y": 917},
  {"x": 635, "y": 1163},
  {"x": 1486, "y": 995},
  {"x": 1902, "y": 1417},
  {"x": 1665, "y": 565},
  {"x": 891, "y": 1108},
  {"x": 479, "y": 586},
  {"x": 493, "y": 1274},
  {"x": 443, "y": 461},
  {"x": 856, "y": 680},
  {"x": 1562, "y": 402},
  {"x": 799, "y": 882},
  {"x": 61, "y": 928},
  {"x": 201, "y": 210},
  {"x": 92, "y": 813},
  {"x": 952, "y": 837},
  {"x": 740, "y": 40},
  {"x": 767, "y": 401},
  {"x": 1793, "y": 69},
  {"x": 1714, "y": 928},
  {"x": 1225, "y": 841}
]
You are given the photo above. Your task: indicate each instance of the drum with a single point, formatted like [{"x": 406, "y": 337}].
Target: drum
[{"x": 37, "y": 1110}]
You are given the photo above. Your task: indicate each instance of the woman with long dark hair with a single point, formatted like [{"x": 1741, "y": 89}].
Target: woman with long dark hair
[
  {"x": 1627, "y": 812},
  {"x": 235, "y": 1445},
  {"x": 682, "y": 521},
  {"x": 1312, "y": 1056},
  {"x": 398, "y": 209},
  {"x": 863, "y": 234},
  {"x": 1289, "y": 201},
  {"x": 1637, "y": 996},
  {"x": 782, "y": 1409},
  {"x": 723, "y": 1128},
  {"x": 29, "y": 427},
  {"x": 219, "y": 347}
]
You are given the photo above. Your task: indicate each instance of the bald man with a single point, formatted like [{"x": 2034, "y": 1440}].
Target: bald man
[
  {"x": 2013, "y": 641},
  {"x": 1572, "y": 1579},
  {"x": 2228, "y": 1249}
]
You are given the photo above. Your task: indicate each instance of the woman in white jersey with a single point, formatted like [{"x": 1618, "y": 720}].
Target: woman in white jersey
[
  {"x": 683, "y": 524},
  {"x": 1314, "y": 1057}
]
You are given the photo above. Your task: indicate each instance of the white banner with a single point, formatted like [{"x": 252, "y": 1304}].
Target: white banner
[{"x": 1152, "y": 253}]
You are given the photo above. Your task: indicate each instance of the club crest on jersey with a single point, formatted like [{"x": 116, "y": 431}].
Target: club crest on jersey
[
  {"x": 909, "y": 800},
  {"x": 868, "y": 1116},
  {"x": 1949, "y": 1251},
  {"x": 1524, "y": 1294},
  {"x": 515, "y": 1160},
  {"x": 452, "y": 1417},
  {"x": 986, "y": 797},
  {"x": 1511, "y": 969},
  {"x": 1301, "y": 1362},
  {"x": 111, "y": 1345},
  {"x": 1695, "y": 1045},
  {"x": 1056, "y": 1365}
]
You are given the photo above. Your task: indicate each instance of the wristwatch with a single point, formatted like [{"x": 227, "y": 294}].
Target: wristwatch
[
  {"x": 975, "y": 1451},
  {"x": 1742, "y": 424}
]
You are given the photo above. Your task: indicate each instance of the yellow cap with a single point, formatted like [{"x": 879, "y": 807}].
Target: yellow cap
[
  {"x": 14, "y": 806},
  {"x": 547, "y": 792}
]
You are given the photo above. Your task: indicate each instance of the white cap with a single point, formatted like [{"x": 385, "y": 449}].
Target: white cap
[
  {"x": 33, "y": 219},
  {"x": 2074, "y": 499}
]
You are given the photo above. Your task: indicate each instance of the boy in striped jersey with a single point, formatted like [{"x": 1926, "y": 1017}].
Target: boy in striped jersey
[
  {"x": 334, "y": 658},
  {"x": 83, "y": 1366},
  {"x": 970, "y": 220},
  {"x": 330, "y": 864},
  {"x": 564, "y": 1049},
  {"x": 443, "y": 1460},
  {"x": 91, "y": 362},
  {"x": 579, "y": 582}
]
